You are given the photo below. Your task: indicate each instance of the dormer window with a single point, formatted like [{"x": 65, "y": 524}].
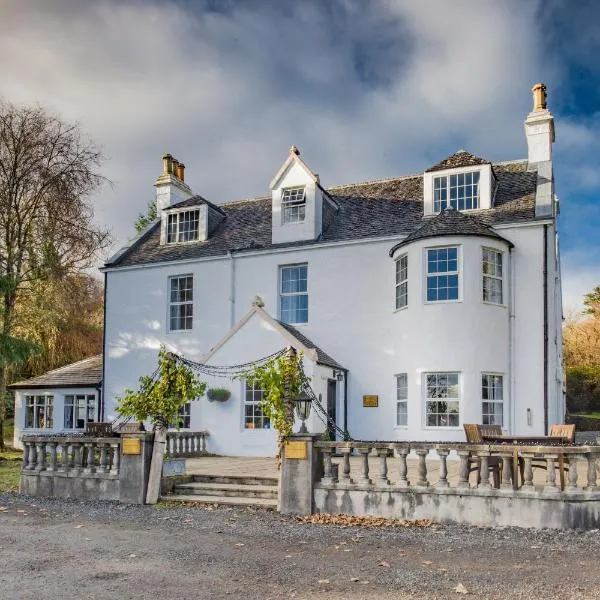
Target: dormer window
[
  {"x": 183, "y": 226},
  {"x": 459, "y": 191},
  {"x": 293, "y": 205}
]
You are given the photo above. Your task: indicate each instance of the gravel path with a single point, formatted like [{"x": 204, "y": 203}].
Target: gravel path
[{"x": 64, "y": 549}]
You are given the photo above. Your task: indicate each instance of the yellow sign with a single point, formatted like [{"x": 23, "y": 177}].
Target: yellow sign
[
  {"x": 297, "y": 450},
  {"x": 132, "y": 446},
  {"x": 371, "y": 401}
]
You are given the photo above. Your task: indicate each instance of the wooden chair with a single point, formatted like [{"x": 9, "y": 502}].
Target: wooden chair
[{"x": 474, "y": 434}]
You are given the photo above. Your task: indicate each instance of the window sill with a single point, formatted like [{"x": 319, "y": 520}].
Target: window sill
[
  {"x": 498, "y": 304},
  {"x": 442, "y": 301},
  {"x": 185, "y": 331},
  {"x": 397, "y": 310},
  {"x": 432, "y": 428},
  {"x": 402, "y": 427}
]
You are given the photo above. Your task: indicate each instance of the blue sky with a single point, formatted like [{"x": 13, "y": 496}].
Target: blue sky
[{"x": 366, "y": 90}]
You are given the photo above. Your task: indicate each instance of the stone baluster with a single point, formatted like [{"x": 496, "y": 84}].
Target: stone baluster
[
  {"x": 116, "y": 458},
  {"x": 527, "y": 473},
  {"x": 168, "y": 445},
  {"x": 507, "y": 467},
  {"x": 41, "y": 456},
  {"x": 551, "y": 487},
  {"x": 345, "y": 477},
  {"x": 327, "y": 466},
  {"x": 443, "y": 480},
  {"x": 403, "y": 468},
  {"x": 63, "y": 464},
  {"x": 189, "y": 444},
  {"x": 91, "y": 457},
  {"x": 422, "y": 468},
  {"x": 364, "y": 466},
  {"x": 77, "y": 448},
  {"x": 104, "y": 458},
  {"x": 32, "y": 458},
  {"x": 178, "y": 444},
  {"x": 25, "y": 461},
  {"x": 591, "y": 473},
  {"x": 573, "y": 475},
  {"x": 52, "y": 456},
  {"x": 383, "y": 453},
  {"x": 463, "y": 468},
  {"x": 484, "y": 471},
  {"x": 202, "y": 443}
]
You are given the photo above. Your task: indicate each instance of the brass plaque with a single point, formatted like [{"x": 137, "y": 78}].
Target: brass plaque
[
  {"x": 297, "y": 450},
  {"x": 132, "y": 445},
  {"x": 371, "y": 401}
]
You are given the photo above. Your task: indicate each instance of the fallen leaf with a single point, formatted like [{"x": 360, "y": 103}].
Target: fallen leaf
[
  {"x": 78, "y": 527},
  {"x": 383, "y": 563},
  {"x": 443, "y": 570},
  {"x": 426, "y": 562},
  {"x": 365, "y": 582},
  {"x": 288, "y": 556},
  {"x": 460, "y": 589},
  {"x": 323, "y": 581},
  {"x": 3, "y": 508},
  {"x": 535, "y": 547},
  {"x": 347, "y": 549},
  {"x": 239, "y": 545},
  {"x": 354, "y": 579},
  {"x": 132, "y": 556}
]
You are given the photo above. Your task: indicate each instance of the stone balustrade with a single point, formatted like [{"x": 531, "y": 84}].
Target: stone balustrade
[{"x": 186, "y": 444}]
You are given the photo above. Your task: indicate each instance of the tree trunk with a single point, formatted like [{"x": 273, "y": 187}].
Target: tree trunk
[{"x": 158, "y": 454}]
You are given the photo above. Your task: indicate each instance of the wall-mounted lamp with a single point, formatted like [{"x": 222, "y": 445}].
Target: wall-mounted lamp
[
  {"x": 303, "y": 404},
  {"x": 529, "y": 417},
  {"x": 338, "y": 374}
]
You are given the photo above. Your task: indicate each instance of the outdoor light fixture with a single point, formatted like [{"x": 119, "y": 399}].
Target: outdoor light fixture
[
  {"x": 303, "y": 402},
  {"x": 337, "y": 374}
]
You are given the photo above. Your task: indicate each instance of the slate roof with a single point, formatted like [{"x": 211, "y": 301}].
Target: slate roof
[
  {"x": 85, "y": 373},
  {"x": 450, "y": 222},
  {"x": 322, "y": 357},
  {"x": 196, "y": 201},
  {"x": 461, "y": 158},
  {"x": 367, "y": 210}
]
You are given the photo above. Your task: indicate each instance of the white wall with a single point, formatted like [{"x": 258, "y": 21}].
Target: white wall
[
  {"x": 58, "y": 413},
  {"x": 351, "y": 316}
]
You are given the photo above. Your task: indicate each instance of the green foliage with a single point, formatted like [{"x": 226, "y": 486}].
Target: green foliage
[
  {"x": 583, "y": 389},
  {"x": 159, "y": 400},
  {"x": 218, "y": 394},
  {"x": 592, "y": 302},
  {"x": 145, "y": 220}
]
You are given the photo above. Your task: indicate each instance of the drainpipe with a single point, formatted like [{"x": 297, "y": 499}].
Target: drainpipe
[
  {"x": 231, "y": 288},
  {"x": 100, "y": 389},
  {"x": 545, "y": 329},
  {"x": 346, "y": 401},
  {"x": 511, "y": 342}
]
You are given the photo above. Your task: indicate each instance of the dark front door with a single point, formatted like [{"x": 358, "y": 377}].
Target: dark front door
[{"x": 331, "y": 406}]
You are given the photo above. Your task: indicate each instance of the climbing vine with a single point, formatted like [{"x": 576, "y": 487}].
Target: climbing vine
[
  {"x": 281, "y": 380},
  {"x": 160, "y": 396}
]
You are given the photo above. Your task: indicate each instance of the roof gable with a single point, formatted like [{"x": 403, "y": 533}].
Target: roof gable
[
  {"x": 461, "y": 158},
  {"x": 293, "y": 158}
]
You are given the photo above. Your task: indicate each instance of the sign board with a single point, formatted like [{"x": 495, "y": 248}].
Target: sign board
[
  {"x": 296, "y": 450},
  {"x": 131, "y": 445},
  {"x": 371, "y": 401}
]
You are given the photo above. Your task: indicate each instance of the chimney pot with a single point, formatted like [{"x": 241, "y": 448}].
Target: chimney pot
[
  {"x": 180, "y": 171},
  {"x": 167, "y": 163},
  {"x": 539, "y": 97}
]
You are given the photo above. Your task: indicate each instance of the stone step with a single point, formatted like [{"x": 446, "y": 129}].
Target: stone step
[
  {"x": 228, "y": 490},
  {"x": 224, "y": 500},
  {"x": 235, "y": 479}
]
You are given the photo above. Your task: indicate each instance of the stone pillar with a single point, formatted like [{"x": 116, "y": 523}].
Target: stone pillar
[
  {"x": 301, "y": 468},
  {"x": 134, "y": 469}
]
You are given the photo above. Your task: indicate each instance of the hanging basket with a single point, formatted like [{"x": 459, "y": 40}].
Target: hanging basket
[{"x": 218, "y": 395}]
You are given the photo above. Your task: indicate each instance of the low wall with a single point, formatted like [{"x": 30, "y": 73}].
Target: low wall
[{"x": 67, "y": 485}]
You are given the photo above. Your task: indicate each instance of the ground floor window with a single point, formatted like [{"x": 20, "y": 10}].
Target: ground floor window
[
  {"x": 253, "y": 415},
  {"x": 401, "y": 400},
  {"x": 492, "y": 399},
  {"x": 39, "y": 412},
  {"x": 442, "y": 400},
  {"x": 184, "y": 416},
  {"x": 80, "y": 409}
]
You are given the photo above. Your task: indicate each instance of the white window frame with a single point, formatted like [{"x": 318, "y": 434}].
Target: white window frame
[
  {"x": 184, "y": 416},
  {"x": 501, "y": 401},
  {"x": 427, "y": 399},
  {"x": 402, "y": 284},
  {"x": 283, "y": 294},
  {"x": 178, "y": 230},
  {"x": 492, "y": 276},
  {"x": 401, "y": 397},
  {"x": 257, "y": 395},
  {"x": 171, "y": 303},
  {"x": 448, "y": 180},
  {"x": 458, "y": 272},
  {"x": 293, "y": 207},
  {"x": 71, "y": 400},
  {"x": 44, "y": 401}
]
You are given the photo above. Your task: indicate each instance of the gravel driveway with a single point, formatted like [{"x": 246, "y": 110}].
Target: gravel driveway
[{"x": 53, "y": 549}]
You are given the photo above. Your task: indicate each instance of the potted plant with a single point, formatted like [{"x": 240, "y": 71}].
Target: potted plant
[{"x": 218, "y": 395}]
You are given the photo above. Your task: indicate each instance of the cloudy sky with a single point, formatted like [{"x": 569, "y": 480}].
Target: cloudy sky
[{"x": 366, "y": 89}]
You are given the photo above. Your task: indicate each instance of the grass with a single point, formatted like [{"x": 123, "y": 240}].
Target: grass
[
  {"x": 10, "y": 468},
  {"x": 592, "y": 415}
]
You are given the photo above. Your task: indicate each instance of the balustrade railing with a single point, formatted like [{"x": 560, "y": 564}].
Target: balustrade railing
[
  {"x": 77, "y": 455},
  {"x": 186, "y": 444},
  {"x": 568, "y": 469}
]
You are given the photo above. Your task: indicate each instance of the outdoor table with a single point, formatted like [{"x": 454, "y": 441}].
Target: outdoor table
[{"x": 517, "y": 441}]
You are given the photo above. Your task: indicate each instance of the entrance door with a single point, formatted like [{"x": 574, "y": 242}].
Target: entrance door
[{"x": 331, "y": 407}]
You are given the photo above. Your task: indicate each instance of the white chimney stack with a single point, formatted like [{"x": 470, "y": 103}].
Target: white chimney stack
[
  {"x": 170, "y": 186},
  {"x": 539, "y": 128}
]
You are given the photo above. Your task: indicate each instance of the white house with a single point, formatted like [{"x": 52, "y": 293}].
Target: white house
[{"x": 421, "y": 302}]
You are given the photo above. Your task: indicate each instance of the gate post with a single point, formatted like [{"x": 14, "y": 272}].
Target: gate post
[
  {"x": 301, "y": 467},
  {"x": 136, "y": 455}
]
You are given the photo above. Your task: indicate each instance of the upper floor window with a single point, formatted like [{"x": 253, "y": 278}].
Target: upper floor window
[
  {"x": 181, "y": 302},
  {"x": 254, "y": 418},
  {"x": 293, "y": 305},
  {"x": 492, "y": 399},
  {"x": 492, "y": 275},
  {"x": 402, "y": 400},
  {"x": 183, "y": 226},
  {"x": 459, "y": 191},
  {"x": 442, "y": 274},
  {"x": 80, "y": 409},
  {"x": 39, "y": 412},
  {"x": 442, "y": 399},
  {"x": 184, "y": 416},
  {"x": 402, "y": 282},
  {"x": 293, "y": 205}
]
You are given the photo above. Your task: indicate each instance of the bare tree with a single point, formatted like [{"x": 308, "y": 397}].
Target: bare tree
[{"x": 48, "y": 171}]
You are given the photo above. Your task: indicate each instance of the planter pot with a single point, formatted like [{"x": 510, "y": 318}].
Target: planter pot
[
  {"x": 219, "y": 395},
  {"x": 173, "y": 466}
]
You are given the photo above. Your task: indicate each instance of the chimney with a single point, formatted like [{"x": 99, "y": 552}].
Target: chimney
[
  {"x": 170, "y": 186},
  {"x": 539, "y": 128}
]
